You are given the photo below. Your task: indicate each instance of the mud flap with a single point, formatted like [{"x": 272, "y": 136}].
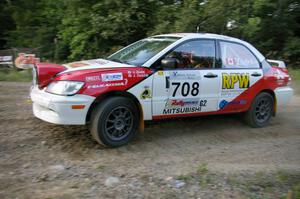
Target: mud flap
[
  {"x": 142, "y": 123},
  {"x": 275, "y": 107}
]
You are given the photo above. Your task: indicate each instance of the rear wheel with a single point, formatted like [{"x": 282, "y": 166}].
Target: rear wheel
[
  {"x": 114, "y": 122},
  {"x": 260, "y": 111}
]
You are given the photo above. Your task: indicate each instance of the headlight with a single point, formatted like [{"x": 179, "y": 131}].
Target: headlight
[{"x": 64, "y": 87}]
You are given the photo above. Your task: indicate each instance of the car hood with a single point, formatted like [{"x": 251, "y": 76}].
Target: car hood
[{"x": 93, "y": 64}]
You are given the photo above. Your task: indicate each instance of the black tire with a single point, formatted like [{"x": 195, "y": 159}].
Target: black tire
[
  {"x": 115, "y": 121},
  {"x": 261, "y": 110}
]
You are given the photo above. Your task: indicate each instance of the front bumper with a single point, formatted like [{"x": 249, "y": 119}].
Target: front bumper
[
  {"x": 283, "y": 95},
  {"x": 58, "y": 109}
]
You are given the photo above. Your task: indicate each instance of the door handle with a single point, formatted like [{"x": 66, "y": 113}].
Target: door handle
[
  {"x": 255, "y": 74},
  {"x": 210, "y": 75}
]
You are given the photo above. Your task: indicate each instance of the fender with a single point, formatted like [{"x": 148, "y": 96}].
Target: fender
[
  {"x": 103, "y": 96},
  {"x": 46, "y": 71}
]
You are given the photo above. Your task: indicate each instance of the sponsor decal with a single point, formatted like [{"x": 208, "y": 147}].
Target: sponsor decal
[
  {"x": 160, "y": 73},
  {"x": 182, "y": 110},
  {"x": 231, "y": 93},
  {"x": 185, "y": 89},
  {"x": 87, "y": 63},
  {"x": 137, "y": 73},
  {"x": 77, "y": 64},
  {"x": 92, "y": 78},
  {"x": 279, "y": 74},
  {"x": 181, "y": 102},
  {"x": 107, "y": 85},
  {"x": 108, "y": 77},
  {"x": 230, "y": 80},
  {"x": 224, "y": 103},
  {"x": 184, "y": 75},
  {"x": 231, "y": 61},
  {"x": 177, "y": 106},
  {"x": 146, "y": 94},
  {"x": 97, "y": 61}
]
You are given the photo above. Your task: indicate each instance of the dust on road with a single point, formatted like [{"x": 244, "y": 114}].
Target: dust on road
[{"x": 41, "y": 160}]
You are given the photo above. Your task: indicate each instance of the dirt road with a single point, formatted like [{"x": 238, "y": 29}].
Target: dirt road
[{"x": 206, "y": 157}]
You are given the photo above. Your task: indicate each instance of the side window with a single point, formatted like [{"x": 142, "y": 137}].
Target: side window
[
  {"x": 237, "y": 56},
  {"x": 195, "y": 54}
]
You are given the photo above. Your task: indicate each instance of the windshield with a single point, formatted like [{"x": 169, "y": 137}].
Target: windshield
[{"x": 141, "y": 51}]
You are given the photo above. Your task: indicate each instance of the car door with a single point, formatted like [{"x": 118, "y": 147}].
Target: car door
[
  {"x": 179, "y": 91},
  {"x": 240, "y": 70}
]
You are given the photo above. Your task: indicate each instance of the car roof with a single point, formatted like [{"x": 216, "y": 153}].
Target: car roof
[
  {"x": 198, "y": 35},
  {"x": 186, "y": 36}
]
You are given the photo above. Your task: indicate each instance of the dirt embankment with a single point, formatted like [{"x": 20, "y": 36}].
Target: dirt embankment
[{"x": 206, "y": 157}]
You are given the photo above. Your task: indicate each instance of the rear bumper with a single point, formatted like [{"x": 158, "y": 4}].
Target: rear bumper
[
  {"x": 58, "y": 109},
  {"x": 283, "y": 95}
]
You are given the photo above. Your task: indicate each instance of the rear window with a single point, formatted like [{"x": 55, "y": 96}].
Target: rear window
[{"x": 237, "y": 56}]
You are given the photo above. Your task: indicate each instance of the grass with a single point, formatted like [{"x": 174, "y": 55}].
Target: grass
[
  {"x": 14, "y": 75},
  {"x": 205, "y": 180},
  {"x": 202, "y": 176},
  {"x": 264, "y": 185},
  {"x": 283, "y": 184},
  {"x": 100, "y": 167},
  {"x": 202, "y": 169},
  {"x": 184, "y": 178},
  {"x": 295, "y": 73},
  {"x": 294, "y": 193}
]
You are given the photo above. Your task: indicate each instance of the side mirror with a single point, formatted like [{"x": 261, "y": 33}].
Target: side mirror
[{"x": 169, "y": 63}]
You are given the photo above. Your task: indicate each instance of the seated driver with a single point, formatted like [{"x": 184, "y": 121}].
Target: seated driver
[{"x": 182, "y": 60}]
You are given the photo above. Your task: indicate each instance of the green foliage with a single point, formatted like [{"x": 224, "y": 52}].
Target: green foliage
[
  {"x": 295, "y": 73},
  {"x": 185, "y": 178},
  {"x": 14, "y": 75},
  {"x": 202, "y": 169},
  {"x": 68, "y": 30}
]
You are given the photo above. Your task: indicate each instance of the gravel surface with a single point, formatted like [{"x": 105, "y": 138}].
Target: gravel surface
[{"x": 205, "y": 157}]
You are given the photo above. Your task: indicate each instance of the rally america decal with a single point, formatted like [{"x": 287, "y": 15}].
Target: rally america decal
[{"x": 181, "y": 106}]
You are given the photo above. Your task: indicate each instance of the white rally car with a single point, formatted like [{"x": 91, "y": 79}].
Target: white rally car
[{"x": 164, "y": 76}]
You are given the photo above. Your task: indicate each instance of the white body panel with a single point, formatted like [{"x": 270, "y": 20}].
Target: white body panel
[
  {"x": 181, "y": 92},
  {"x": 227, "y": 94},
  {"x": 145, "y": 100},
  {"x": 57, "y": 109},
  {"x": 209, "y": 96},
  {"x": 283, "y": 95}
]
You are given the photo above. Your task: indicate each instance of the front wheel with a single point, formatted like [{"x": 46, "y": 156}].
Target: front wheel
[
  {"x": 115, "y": 121},
  {"x": 261, "y": 110}
]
